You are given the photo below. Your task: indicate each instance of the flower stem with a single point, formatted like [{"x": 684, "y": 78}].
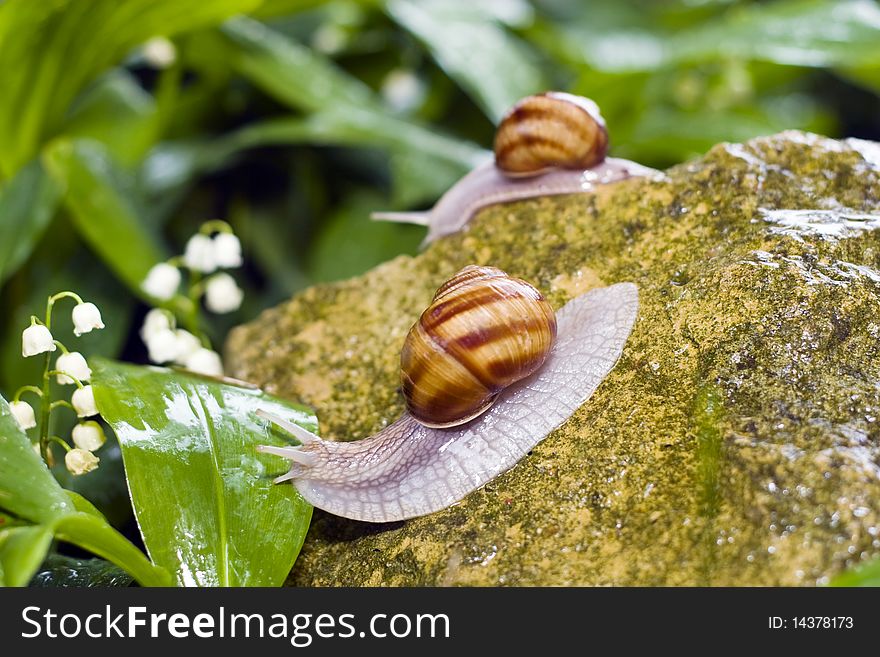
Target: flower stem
[
  {"x": 24, "y": 389},
  {"x": 79, "y": 384},
  {"x": 215, "y": 226},
  {"x": 56, "y": 439}
]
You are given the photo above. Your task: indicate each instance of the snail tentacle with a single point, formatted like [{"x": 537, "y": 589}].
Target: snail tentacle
[{"x": 408, "y": 469}]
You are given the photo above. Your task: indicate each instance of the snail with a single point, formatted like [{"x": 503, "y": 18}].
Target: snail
[
  {"x": 496, "y": 373},
  {"x": 547, "y": 144}
]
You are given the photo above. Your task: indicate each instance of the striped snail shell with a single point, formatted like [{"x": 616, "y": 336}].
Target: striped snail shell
[
  {"x": 482, "y": 332},
  {"x": 550, "y": 130}
]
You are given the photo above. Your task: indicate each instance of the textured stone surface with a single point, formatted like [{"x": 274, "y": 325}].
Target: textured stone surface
[{"x": 736, "y": 442}]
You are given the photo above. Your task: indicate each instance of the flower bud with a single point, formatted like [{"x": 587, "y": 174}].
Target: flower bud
[
  {"x": 36, "y": 339},
  {"x": 199, "y": 254},
  {"x": 80, "y": 461},
  {"x": 86, "y": 317},
  {"x": 222, "y": 294},
  {"x": 23, "y": 414},
  {"x": 83, "y": 401},
  {"x": 227, "y": 250},
  {"x": 155, "y": 321},
  {"x": 162, "y": 281},
  {"x": 205, "y": 361},
  {"x": 88, "y": 435},
  {"x": 159, "y": 52},
  {"x": 73, "y": 364}
]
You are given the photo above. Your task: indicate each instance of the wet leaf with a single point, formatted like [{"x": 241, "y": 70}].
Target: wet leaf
[
  {"x": 203, "y": 496},
  {"x": 22, "y": 550},
  {"x": 867, "y": 574},
  {"x": 59, "y": 571},
  {"x": 27, "y": 488}
]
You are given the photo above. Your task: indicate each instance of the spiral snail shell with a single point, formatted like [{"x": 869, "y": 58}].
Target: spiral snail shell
[
  {"x": 550, "y": 130},
  {"x": 410, "y": 469},
  {"x": 547, "y": 144},
  {"x": 482, "y": 332}
]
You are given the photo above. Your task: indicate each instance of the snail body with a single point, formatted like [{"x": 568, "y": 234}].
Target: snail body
[
  {"x": 409, "y": 469},
  {"x": 546, "y": 145}
]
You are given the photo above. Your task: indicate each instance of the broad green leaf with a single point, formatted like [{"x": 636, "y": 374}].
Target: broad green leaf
[
  {"x": 204, "y": 498},
  {"x": 91, "y": 532},
  {"x": 117, "y": 112},
  {"x": 27, "y": 488},
  {"x": 491, "y": 65},
  {"x": 345, "y": 111},
  {"x": 59, "y": 571},
  {"x": 27, "y": 204},
  {"x": 867, "y": 574},
  {"x": 51, "y": 49},
  {"x": 100, "y": 201},
  {"x": 22, "y": 550}
]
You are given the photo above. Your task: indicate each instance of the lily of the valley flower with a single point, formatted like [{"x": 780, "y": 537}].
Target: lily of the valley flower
[
  {"x": 227, "y": 251},
  {"x": 199, "y": 254},
  {"x": 162, "y": 346},
  {"x": 155, "y": 321},
  {"x": 80, "y": 461},
  {"x": 86, "y": 317},
  {"x": 88, "y": 435},
  {"x": 83, "y": 401},
  {"x": 162, "y": 281},
  {"x": 73, "y": 364},
  {"x": 36, "y": 339},
  {"x": 159, "y": 52},
  {"x": 205, "y": 361},
  {"x": 222, "y": 294},
  {"x": 187, "y": 344},
  {"x": 23, "y": 414}
]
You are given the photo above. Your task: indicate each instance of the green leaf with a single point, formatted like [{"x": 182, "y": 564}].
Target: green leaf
[
  {"x": 866, "y": 574},
  {"x": 60, "y": 571},
  {"x": 117, "y": 112},
  {"x": 204, "y": 498},
  {"x": 491, "y": 65},
  {"x": 27, "y": 488},
  {"x": 91, "y": 532},
  {"x": 345, "y": 111},
  {"x": 27, "y": 204},
  {"x": 50, "y": 50},
  {"x": 22, "y": 550},
  {"x": 101, "y": 203}
]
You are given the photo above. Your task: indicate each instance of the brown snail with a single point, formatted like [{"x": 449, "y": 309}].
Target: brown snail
[
  {"x": 520, "y": 384},
  {"x": 482, "y": 332},
  {"x": 547, "y": 144},
  {"x": 550, "y": 130}
]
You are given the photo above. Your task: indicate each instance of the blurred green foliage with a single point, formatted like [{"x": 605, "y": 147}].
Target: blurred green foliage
[
  {"x": 124, "y": 124},
  {"x": 293, "y": 119}
]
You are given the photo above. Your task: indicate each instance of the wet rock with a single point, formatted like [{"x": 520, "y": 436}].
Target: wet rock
[{"x": 736, "y": 442}]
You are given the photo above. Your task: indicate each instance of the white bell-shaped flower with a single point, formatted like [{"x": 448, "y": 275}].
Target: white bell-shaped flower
[
  {"x": 73, "y": 364},
  {"x": 187, "y": 345},
  {"x": 162, "y": 281},
  {"x": 155, "y": 321},
  {"x": 159, "y": 52},
  {"x": 162, "y": 346},
  {"x": 83, "y": 401},
  {"x": 227, "y": 250},
  {"x": 86, "y": 317},
  {"x": 199, "y": 254},
  {"x": 205, "y": 361},
  {"x": 88, "y": 435},
  {"x": 222, "y": 294},
  {"x": 23, "y": 414},
  {"x": 80, "y": 461},
  {"x": 36, "y": 339}
]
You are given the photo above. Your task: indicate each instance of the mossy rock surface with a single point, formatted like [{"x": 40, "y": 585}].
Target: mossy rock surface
[{"x": 737, "y": 441}]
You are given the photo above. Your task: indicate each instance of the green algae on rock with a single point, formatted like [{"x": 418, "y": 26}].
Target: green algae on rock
[{"x": 737, "y": 441}]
